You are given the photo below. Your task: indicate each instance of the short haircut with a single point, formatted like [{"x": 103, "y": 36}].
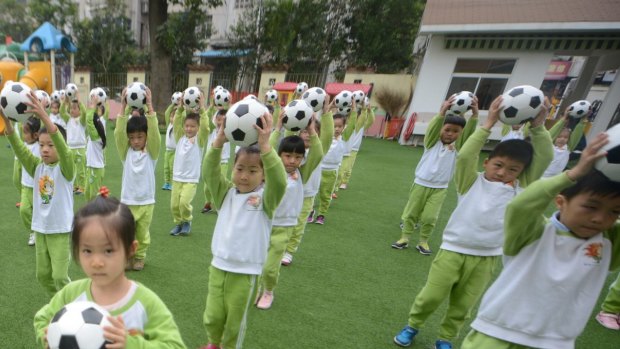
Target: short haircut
[
  {"x": 515, "y": 149},
  {"x": 115, "y": 218},
  {"x": 57, "y": 103},
  {"x": 221, "y": 112},
  {"x": 341, "y": 116},
  {"x": 270, "y": 108},
  {"x": 595, "y": 183},
  {"x": 251, "y": 150},
  {"x": 33, "y": 124},
  {"x": 454, "y": 120},
  {"x": 61, "y": 129},
  {"x": 193, "y": 116},
  {"x": 292, "y": 144},
  {"x": 137, "y": 124}
]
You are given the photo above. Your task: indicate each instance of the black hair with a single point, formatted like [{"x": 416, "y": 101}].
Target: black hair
[
  {"x": 115, "y": 218},
  {"x": 100, "y": 128},
  {"x": 292, "y": 144},
  {"x": 341, "y": 116},
  {"x": 55, "y": 102},
  {"x": 270, "y": 108},
  {"x": 137, "y": 124},
  {"x": 515, "y": 149},
  {"x": 595, "y": 183},
  {"x": 251, "y": 150},
  {"x": 32, "y": 124},
  {"x": 454, "y": 120},
  {"x": 193, "y": 116},
  {"x": 61, "y": 129},
  {"x": 221, "y": 112}
]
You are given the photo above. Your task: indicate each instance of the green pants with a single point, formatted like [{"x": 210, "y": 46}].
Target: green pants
[
  {"x": 300, "y": 228},
  {"x": 328, "y": 181},
  {"x": 228, "y": 300},
  {"x": 423, "y": 207},
  {"x": 17, "y": 175},
  {"x": 95, "y": 180},
  {"x": 207, "y": 192},
  {"x": 25, "y": 210},
  {"x": 52, "y": 260},
  {"x": 168, "y": 164},
  {"x": 181, "y": 201},
  {"x": 143, "y": 215},
  {"x": 611, "y": 304},
  {"x": 459, "y": 278},
  {"x": 79, "y": 157},
  {"x": 478, "y": 340},
  {"x": 277, "y": 246},
  {"x": 346, "y": 168}
]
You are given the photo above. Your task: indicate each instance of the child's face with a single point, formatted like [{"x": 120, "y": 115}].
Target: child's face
[
  {"x": 137, "y": 140},
  {"x": 248, "y": 172},
  {"x": 562, "y": 139},
  {"x": 306, "y": 137},
  {"x": 54, "y": 108},
  {"x": 47, "y": 149},
  {"x": 586, "y": 214},
  {"x": 219, "y": 120},
  {"x": 74, "y": 110},
  {"x": 28, "y": 136},
  {"x": 449, "y": 133},
  {"x": 502, "y": 169},
  {"x": 338, "y": 127},
  {"x": 190, "y": 127},
  {"x": 516, "y": 127},
  {"x": 291, "y": 161}
]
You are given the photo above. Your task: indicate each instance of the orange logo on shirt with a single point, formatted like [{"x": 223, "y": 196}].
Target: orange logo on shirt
[
  {"x": 254, "y": 201},
  {"x": 595, "y": 251},
  {"x": 46, "y": 189}
]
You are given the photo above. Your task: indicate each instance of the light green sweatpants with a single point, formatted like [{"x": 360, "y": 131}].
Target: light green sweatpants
[
  {"x": 207, "y": 192},
  {"x": 479, "y": 340},
  {"x": 459, "y": 278},
  {"x": 168, "y": 164},
  {"x": 25, "y": 210},
  {"x": 611, "y": 304},
  {"x": 52, "y": 260},
  {"x": 346, "y": 168},
  {"x": 181, "y": 201},
  {"x": 328, "y": 181},
  {"x": 423, "y": 207},
  {"x": 143, "y": 215},
  {"x": 277, "y": 246},
  {"x": 94, "y": 181},
  {"x": 79, "y": 157},
  {"x": 298, "y": 231},
  {"x": 17, "y": 175},
  {"x": 228, "y": 300}
]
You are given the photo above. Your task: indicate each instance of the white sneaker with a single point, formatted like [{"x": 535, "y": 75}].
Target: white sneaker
[
  {"x": 287, "y": 259},
  {"x": 31, "y": 240}
]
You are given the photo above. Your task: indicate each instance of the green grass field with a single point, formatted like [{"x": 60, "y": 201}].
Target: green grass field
[{"x": 346, "y": 287}]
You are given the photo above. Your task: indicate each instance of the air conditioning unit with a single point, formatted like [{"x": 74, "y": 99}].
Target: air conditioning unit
[{"x": 144, "y": 6}]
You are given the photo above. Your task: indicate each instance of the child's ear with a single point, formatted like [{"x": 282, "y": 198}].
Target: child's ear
[{"x": 560, "y": 201}]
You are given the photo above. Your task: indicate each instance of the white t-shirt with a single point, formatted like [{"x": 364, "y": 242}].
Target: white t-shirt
[
  {"x": 27, "y": 180},
  {"x": 76, "y": 134},
  {"x": 138, "y": 178},
  {"x": 95, "y": 157},
  {"x": 52, "y": 204}
]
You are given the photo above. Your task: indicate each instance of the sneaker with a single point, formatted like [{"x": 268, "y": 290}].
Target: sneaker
[
  {"x": 207, "y": 208},
  {"x": 608, "y": 320},
  {"x": 311, "y": 217},
  {"x": 343, "y": 186},
  {"x": 423, "y": 248},
  {"x": 138, "y": 264},
  {"x": 176, "y": 230},
  {"x": 287, "y": 259},
  {"x": 265, "y": 300},
  {"x": 166, "y": 186},
  {"x": 31, "y": 241},
  {"x": 186, "y": 227},
  {"x": 401, "y": 244},
  {"x": 401, "y": 225},
  {"x": 334, "y": 196},
  {"x": 320, "y": 219},
  {"x": 443, "y": 344},
  {"x": 78, "y": 192},
  {"x": 405, "y": 337}
]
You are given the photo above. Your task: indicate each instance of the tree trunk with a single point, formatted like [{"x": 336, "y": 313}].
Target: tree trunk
[{"x": 161, "y": 60}]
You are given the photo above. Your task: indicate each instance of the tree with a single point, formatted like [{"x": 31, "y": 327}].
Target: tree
[
  {"x": 61, "y": 13},
  {"x": 14, "y": 20}
]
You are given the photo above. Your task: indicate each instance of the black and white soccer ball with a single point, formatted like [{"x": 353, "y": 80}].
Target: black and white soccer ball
[
  {"x": 315, "y": 97},
  {"x": 271, "y": 96},
  {"x": 191, "y": 97},
  {"x": 521, "y": 104},
  {"x": 240, "y": 120},
  {"x": 63, "y": 94},
  {"x": 366, "y": 101},
  {"x": 43, "y": 98},
  {"x": 297, "y": 115},
  {"x": 344, "y": 99},
  {"x": 55, "y": 96},
  {"x": 579, "y": 109},
  {"x": 251, "y": 96},
  {"x": 13, "y": 99},
  {"x": 136, "y": 95},
  {"x": 462, "y": 103},
  {"x": 99, "y": 94},
  {"x": 222, "y": 98},
  {"x": 217, "y": 88},
  {"x": 610, "y": 164},
  {"x": 78, "y": 325},
  {"x": 344, "y": 110},
  {"x": 71, "y": 90},
  {"x": 358, "y": 97},
  {"x": 301, "y": 88},
  {"x": 176, "y": 97}
]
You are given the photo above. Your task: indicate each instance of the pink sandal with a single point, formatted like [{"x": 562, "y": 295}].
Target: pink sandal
[{"x": 607, "y": 320}]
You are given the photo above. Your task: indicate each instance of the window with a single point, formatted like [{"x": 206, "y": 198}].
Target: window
[
  {"x": 272, "y": 82},
  {"x": 486, "y": 78},
  {"x": 357, "y": 81}
]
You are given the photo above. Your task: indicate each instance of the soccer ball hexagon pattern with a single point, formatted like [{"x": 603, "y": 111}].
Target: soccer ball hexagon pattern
[
  {"x": 610, "y": 164},
  {"x": 344, "y": 110},
  {"x": 462, "y": 103},
  {"x": 55, "y": 96},
  {"x": 71, "y": 90},
  {"x": 315, "y": 97},
  {"x": 297, "y": 115},
  {"x": 217, "y": 88},
  {"x": 13, "y": 99},
  {"x": 136, "y": 95},
  {"x": 99, "y": 94},
  {"x": 176, "y": 97},
  {"x": 271, "y": 96},
  {"x": 240, "y": 120},
  {"x": 222, "y": 98},
  {"x": 301, "y": 88},
  {"x": 191, "y": 97},
  {"x": 251, "y": 96},
  {"x": 43, "y": 98},
  {"x": 344, "y": 99},
  {"x": 521, "y": 104},
  {"x": 579, "y": 109},
  {"x": 78, "y": 325},
  {"x": 358, "y": 96}
]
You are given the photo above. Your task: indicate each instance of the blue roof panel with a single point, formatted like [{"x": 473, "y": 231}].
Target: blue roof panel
[{"x": 47, "y": 38}]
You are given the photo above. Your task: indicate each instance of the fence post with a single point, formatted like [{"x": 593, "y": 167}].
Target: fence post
[
  {"x": 136, "y": 73},
  {"x": 200, "y": 76},
  {"x": 271, "y": 74}
]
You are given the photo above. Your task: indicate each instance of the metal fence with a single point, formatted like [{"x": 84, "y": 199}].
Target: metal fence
[
  {"x": 312, "y": 79},
  {"x": 113, "y": 83}
]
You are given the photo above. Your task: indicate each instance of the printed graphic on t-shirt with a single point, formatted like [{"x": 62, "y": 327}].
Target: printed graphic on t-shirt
[
  {"x": 46, "y": 189},
  {"x": 594, "y": 251},
  {"x": 253, "y": 202}
]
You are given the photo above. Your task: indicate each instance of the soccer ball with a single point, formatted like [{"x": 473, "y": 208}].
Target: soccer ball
[
  {"x": 176, "y": 97},
  {"x": 344, "y": 99},
  {"x": 579, "y": 109},
  {"x": 13, "y": 99},
  {"x": 240, "y": 120},
  {"x": 191, "y": 97},
  {"x": 610, "y": 164},
  {"x": 136, "y": 95},
  {"x": 217, "y": 88},
  {"x": 43, "y": 98},
  {"x": 271, "y": 96},
  {"x": 251, "y": 96},
  {"x": 222, "y": 98},
  {"x": 521, "y": 104},
  {"x": 55, "y": 96},
  {"x": 462, "y": 103},
  {"x": 71, "y": 90},
  {"x": 301, "y": 88},
  {"x": 99, "y": 94},
  {"x": 297, "y": 115},
  {"x": 358, "y": 97},
  {"x": 78, "y": 325},
  {"x": 366, "y": 101},
  {"x": 344, "y": 111},
  {"x": 315, "y": 97},
  {"x": 63, "y": 94}
]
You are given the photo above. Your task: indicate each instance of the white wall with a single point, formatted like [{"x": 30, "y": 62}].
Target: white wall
[{"x": 223, "y": 17}]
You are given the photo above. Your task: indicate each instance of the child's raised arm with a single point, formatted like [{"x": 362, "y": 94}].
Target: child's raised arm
[
  {"x": 433, "y": 132},
  {"x": 543, "y": 148},
  {"x": 470, "y": 125},
  {"x": 177, "y": 126},
  {"x": 153, "y": 138},
  {"x": 203, "y": 130},
  {"x": 120, "y": 131},
  {"x": 275, "y": 174},
  {"x": 351, "y": 122},
  {"x": 217, "y": 182},
  {"x": 24, "y": 156},
  {"x": 315, "y": 153}
]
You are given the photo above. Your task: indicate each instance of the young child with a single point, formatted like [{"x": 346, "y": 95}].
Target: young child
[
  {"x": 52, "y": 204},
  {"x": 564, "y": 142},
  {"x": 103, "y": 240},
  {"x": 241, "y": 235},
  {"x": 171, "y": 144},
  {"x": 554, "y": 269},
  {"x": 30, "y": 135},
  {"x": 191, "y": 132},
  {"x": 96, "y": 118},
  {"x": 514, "y": 132},
  {"x": 365, "y": 120},
  {"x": 442, "y": 142},
  {"x": 55, "y": 114},
  {"x": 76, "y": 139},
  {"x": 220, "y": 115},
  {"x": 609, "y": 316},
  {"x": 292, "y": 152},
  {"x": 137, "y": 141},
  {"x": 473, "y": 238}
]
